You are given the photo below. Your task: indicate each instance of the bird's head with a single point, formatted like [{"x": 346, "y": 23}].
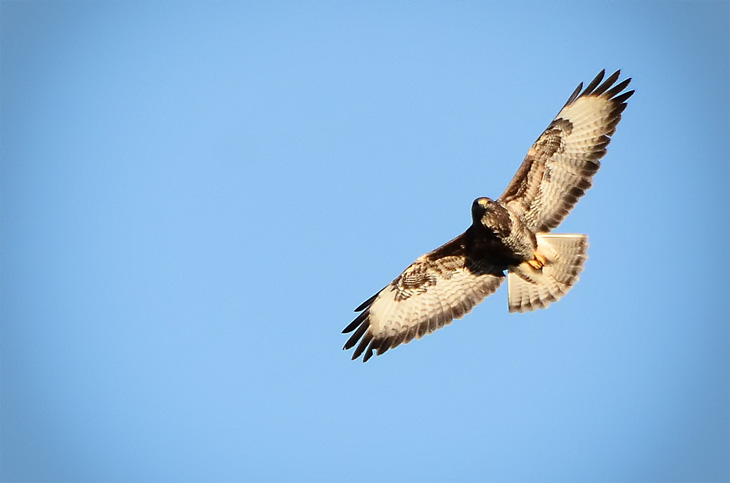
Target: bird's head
[
  {"x": 488, "y": 213},
  {"x": 481, "y": 207}
]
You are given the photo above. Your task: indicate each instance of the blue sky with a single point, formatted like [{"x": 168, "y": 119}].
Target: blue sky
[{"x": 195, "y": 196}]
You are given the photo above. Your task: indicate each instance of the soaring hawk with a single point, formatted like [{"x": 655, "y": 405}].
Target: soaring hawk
[{"x": 509, "y": 234}]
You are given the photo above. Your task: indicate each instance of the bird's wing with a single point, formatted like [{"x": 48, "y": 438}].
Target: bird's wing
[
  {"x": 558, "y": 168},
  {"x": 440, "y": 286}
]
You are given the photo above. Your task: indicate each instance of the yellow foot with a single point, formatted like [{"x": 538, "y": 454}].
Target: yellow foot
[{"x": 538, "y": 262}]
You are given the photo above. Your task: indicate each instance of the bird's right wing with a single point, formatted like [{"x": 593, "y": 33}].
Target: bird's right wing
[
  {"x": 440, "y": 286},
  {"x": 560, "y": 165}
]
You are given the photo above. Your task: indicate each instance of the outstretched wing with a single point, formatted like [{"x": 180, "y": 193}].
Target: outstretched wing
[
  {"x": 558, "y": 168},
  {"x": 440, "y": 286}
]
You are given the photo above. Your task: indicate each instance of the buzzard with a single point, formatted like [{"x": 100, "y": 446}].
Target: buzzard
[{"x": 509, "y": 234}]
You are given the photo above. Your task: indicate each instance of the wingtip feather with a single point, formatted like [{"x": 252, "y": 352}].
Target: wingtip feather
[
  {"x": 367, "y": 303},
  {"x": 594, "y": 83},
  {"x": 606, "y": 84}
]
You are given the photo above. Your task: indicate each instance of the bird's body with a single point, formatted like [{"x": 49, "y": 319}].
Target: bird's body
[
  {"x": 503, "y": 230},
  {"x": 508, "y": 237}
]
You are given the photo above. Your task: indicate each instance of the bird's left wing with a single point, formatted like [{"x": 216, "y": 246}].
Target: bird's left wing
[
  {"x": 559, "y": 166},
  {"x": 440, "y": 286}
]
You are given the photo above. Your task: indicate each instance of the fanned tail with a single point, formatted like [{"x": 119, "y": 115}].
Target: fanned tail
[{"x": 558, "y": 262}]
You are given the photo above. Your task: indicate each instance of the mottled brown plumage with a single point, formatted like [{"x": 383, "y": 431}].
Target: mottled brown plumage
[{"x": 508, "y": 237}]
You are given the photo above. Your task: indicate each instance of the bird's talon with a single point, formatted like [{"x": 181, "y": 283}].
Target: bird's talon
[{"x": 538, "y": 262}]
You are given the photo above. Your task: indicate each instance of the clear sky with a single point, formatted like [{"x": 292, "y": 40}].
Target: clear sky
[{"x": 195, "y": 196}]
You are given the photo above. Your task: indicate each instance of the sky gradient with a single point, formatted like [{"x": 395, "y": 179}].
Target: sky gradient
[{"x": 195, "y": 196}]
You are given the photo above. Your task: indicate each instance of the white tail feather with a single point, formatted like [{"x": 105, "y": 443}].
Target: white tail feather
[{"x": 533, "y": 288}]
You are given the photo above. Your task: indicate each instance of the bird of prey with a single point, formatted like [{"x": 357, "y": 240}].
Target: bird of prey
[{"x": 507, "y": 235}]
